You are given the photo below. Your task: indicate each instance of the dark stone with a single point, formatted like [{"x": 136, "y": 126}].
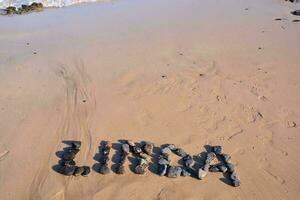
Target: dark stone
[
  {"x": 69, "y": 155},
  {"x": 105, "y": 159},
  {"x": 180, "y": 152},
  {"x": 210, "y": 157},
  {"x": 68, "y": 162},
  {"x": 235, "y": 179},
  {"x": 140, "y": 169},
  {"x": 78, "y": 171},
  {"x": 166, "y": 151},
  {"x": 188, "y": 161},
  {"x": 163, "y": 161},
  {"x": 104, "y": 169},
  {"x": 123, "y": 159},
  {"x": 131, "y": 143},
  {"x": 174, "y": 171},
  {"x": 137, "y": 150},
  {"x": 217, "y": 150},
  {"x": 120, "y": 169},
  {"x": 201, "y": 174},
  {"x": 222, "y": 168},
  {"x": 214, "y": 168},
  {"x": 185, "y": 173},
  {"x": 162, "y": 169},
  {"x": 172, "y": 147},
  {"x": 148, "y": 148},
  {"x": 125, "y": 148},
  {"x": 68, "y": 170},
  {"x": 106, "y": 151},
  {"x": 230, "y": 167},
  {"x": 296, "y": 12},
  {"x": 86, "y": 171},
  {"x": 76, "y": 145},
  {"x": 226, "y": 158}
]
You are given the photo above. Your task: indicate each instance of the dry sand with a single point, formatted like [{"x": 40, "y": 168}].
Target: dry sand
[{"x": 231, "y": 78}]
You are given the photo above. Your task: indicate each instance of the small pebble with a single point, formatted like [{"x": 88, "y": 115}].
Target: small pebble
[
  {"x": 86, "y": 171},
  {"x": 78, "y": 171},
  {"x": 68, "y": 155},
  {"x": 137, "y": 150},
  {"x": 223, "y": 168},
  {"x": 180, "y": 152},
  {"x": 226, "y": 157},
  {"x": 140, "y": 169},
  {"x": 166, "y": 151},
  {"x": 130, "y": 143},
  {"x": 235, "y": 180},
  {"x": 163, "y": 161},
  {"x": 148, "y": 148},
  {"x": 68, "y": 170},
  {"x": 172, "y": 147},
  {"x": 125, "y": 148},
  {"x": 120, "y": 169},
  {"x": 214, "y": 168},
  {"x": 162, "y": 170},
  {"x": 217, "y": 150},
  {"x": 230, "y": 167},
  {"x": 174, "y": 171},
  {"x": 76, "y": 145},
  {"x": 104, "y": 169},
  {"x": 185, "y": 173},
  {"x": 201, "y": 174}
]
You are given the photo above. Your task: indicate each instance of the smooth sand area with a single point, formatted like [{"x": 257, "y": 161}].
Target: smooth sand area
[{"x": 188, "y": 72}]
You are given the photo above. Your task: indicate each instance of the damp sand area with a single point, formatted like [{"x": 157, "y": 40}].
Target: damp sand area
[{"x": 190, "y": 73}]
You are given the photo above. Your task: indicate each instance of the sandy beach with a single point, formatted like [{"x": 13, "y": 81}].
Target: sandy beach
[{"x": 190, "y": 73}]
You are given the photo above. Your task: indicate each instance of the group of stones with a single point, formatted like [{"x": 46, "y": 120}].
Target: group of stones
[
  {"x": 141, "y": 152},
  {"x": 67, "y": 165},
  {"x": 215, "y": 161},
  {"x": 34, "y": 7}
]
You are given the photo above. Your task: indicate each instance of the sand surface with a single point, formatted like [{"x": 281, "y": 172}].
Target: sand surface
[{"x": 192, "y": 73}]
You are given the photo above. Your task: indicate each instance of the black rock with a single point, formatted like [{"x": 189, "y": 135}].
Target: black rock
[
  {"x": 180, "y": 152},
  {"x": 104, "y": 169},
  {"x": 163, "y": 161},
  {"x": 86, "y": 171},
  {"x": 214, "y": 168},
  {"x": 210, "y": 157},
  {"x": 137, "y": 150},
  {"x": 174, "y": 171},
  {"x": 235, "y": 179},
  {"x": 68, "y": 155},
  {"x": 148, "y": 148},
  {"x": 105, "y": 159},
  {"x": 78, "y": 171},
  {"x": 185, "y": 173},
  {"x": 188, "y": 161},
  {"x": 120, "y": 169},
  {"x": 226, "y": 158},
  {"x": 222, "y": 168},
  {"x": 130, "y": 143},
  {"x": 296, "y": 12},
  {"x": 125, "y": 148},
  {"x": 162, "y": 169},
  {"x": 67, "y": 162},
  {"x": 11, "y": 10},
  {"x": 217, "y": 150},
  {"x": 68, "y": 170},
  {"x": 172, "y": 147},
  {"x": 106, "y": 151},
  {"x": 166, "y": 151},
  {"x": 140, "y": 169},
  {"x": 230, "y": 167},
  {"x": 123, "y": 159},
  {"x": 76, "y": 145}
]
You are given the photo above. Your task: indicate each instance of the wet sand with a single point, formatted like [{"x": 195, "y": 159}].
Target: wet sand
[{"x": 187, "y": 72}]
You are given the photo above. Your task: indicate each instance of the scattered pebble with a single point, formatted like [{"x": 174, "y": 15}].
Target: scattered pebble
[
  {"x": 201, "y": 174},
  {"x": 291, "y": 124},
  {"x": 86, "y": 171},
  {"x": 78, "y": 171},
  {"x": 235, "y": 180},
  {"x": 104, "y": 169},
  {"x": 296, "y": 12},
  {"x": 162, "y": 170},
  {"x": 174, "y": 172}
]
